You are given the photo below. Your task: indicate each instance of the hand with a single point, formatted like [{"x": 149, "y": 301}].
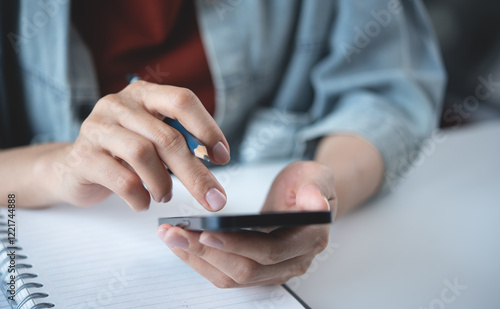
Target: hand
[
  {"x": 124, "y": 144},
  {"x": 247, "y": 258}
]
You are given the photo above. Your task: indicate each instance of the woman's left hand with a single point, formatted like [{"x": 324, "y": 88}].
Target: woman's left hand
[{"x": 247, "y": 258}]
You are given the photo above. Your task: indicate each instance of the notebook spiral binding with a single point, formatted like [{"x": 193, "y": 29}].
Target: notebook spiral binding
[{"x": 28, "y": 294}]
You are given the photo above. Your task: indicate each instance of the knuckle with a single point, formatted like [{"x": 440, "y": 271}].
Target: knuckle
[
  {"x": 95, "y": 129},
  {"x": 268, "y": 259},
  {"x": 128, "y": 184},
  {"x": 113, "y": 106},
  {"x": 185, "y": 98},
  {"x": 202, "y": 178},
  {"x": 246, "y": 272},
  {"x": 137, "y": 89},
  {"x": 302, "y": 268},
  {"x": 321, "y": 242},
  {"x": 137, "y": 85},
  {"x": 273, "y": 255},
  {"x": 141, "y": 151},
  {"x": 172, "y": 141},
  {"x": 88, "y": 125},
  {"x": 161, "y": 137},
  {"x": 110, "y": 100}
]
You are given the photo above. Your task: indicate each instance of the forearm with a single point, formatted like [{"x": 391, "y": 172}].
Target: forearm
[
  {"x": 27, "y": 172},
  {"x": 357, "y": 165}
]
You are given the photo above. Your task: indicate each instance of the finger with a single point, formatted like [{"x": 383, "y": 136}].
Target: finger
[
  {"x": 140, "y": 154},
  {"x": 172, "y": 149},
  {"x": 215, "y": 276},
  {"x": 220, "y": 279},
  {"x": 302, "y": 185},
  {"x": 316, "y": 190},
  {"x": 310, "y": 198},
  {"x": 270, "y": 248},
  {"x": 109, "y": 173},
  {"x": 240, "y": 269},
  {"x": 183, "y": 105}
]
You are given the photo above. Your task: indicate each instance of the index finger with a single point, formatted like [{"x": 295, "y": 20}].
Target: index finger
[
  {"x": 270, "y": 248},
  {"x": 183, "y": 105}
]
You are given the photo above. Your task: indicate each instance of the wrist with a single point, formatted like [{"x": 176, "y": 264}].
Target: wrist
[
  {"x": 357, "y": 167},
  {"x": 49, "y": 169}
]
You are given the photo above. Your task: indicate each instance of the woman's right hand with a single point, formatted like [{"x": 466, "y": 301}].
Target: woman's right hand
[{"x": 124, "y": 143}]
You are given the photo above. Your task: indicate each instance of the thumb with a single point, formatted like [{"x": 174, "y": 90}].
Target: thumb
[{"x": 310, "y": 198}]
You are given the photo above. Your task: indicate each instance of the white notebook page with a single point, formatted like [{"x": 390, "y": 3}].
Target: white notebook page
[{"x": 107, "y": 256}]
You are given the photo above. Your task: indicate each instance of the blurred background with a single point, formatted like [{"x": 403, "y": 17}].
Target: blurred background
[{"x": 468, "y": 32}]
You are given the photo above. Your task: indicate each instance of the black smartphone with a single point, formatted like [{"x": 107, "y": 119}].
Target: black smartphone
[{"x": 226, "y": 223}]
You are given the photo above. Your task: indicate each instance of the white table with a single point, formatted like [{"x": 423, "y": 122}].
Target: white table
[{"x": 439, "y": 228}]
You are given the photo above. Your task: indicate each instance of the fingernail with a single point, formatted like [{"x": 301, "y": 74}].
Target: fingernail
[
  {"x": 327, "y": 203},
  {"x": 212, "y": 242},
  {"x": 176, "y": 241},
  {"x": 161, "y": 233},
  {"x": 221, "y": 154},
  {"x": 167, "y": 198},
  {"x": 216, "y": 200}
]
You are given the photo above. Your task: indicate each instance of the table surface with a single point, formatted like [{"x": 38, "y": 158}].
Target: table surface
[{"x": 434, "y": 242}]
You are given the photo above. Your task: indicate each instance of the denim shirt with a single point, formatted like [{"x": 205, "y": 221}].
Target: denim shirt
[{"x": 285, "y": 74}]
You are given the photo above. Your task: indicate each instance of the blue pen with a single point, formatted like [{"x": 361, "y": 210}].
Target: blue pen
[{"x": 196, "y": 147}]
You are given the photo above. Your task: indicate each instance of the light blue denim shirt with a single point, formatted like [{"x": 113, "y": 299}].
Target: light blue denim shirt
[{"x": 285, "y": 74}]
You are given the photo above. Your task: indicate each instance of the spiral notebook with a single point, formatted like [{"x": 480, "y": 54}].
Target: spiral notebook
[{"x": 107, "y": 256}]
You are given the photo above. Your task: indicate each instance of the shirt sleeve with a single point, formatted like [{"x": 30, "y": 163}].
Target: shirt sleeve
[{"x": 383, "y": 80}]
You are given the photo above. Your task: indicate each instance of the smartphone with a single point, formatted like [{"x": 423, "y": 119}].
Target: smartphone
[{"x": 227, "y": 223}]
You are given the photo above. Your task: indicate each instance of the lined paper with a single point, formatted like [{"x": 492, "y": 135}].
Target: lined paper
[{"x": 108, "y": 256}]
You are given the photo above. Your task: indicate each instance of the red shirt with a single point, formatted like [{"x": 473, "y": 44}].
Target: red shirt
[{"x": 155, "y": 39}]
